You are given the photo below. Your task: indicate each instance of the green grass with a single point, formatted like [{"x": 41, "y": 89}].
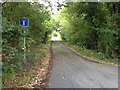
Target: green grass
[
  {"x": 93, "y": 55},
  {"x": 35, "y": 54}
]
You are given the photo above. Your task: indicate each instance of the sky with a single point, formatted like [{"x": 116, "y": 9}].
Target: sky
[
  {"x": 53, "y": 2},
  {"x": 57, "y": 38}
]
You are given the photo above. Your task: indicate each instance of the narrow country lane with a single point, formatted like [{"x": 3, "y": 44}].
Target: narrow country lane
[{"x": 71, "y": 71}]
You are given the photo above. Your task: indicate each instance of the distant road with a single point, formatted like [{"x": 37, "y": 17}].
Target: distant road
[{"x": 71, "y": 71}]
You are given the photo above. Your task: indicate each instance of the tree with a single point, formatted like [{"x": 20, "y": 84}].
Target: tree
[{"x": 92, "y": 25}]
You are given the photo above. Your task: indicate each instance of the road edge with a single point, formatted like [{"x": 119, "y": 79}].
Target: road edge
[{"x": 88, "y": 59}]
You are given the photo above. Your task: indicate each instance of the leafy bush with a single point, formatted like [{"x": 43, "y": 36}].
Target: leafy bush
[
  {"x": 93, "y": 55},
  {"x": 40, "y": 26},
  {"x": 94, "y": 26}
]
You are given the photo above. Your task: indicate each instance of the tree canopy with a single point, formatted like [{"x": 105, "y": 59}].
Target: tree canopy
[
  {"x": 94, "y": 26},
  {"x": 40, "y": 27}
]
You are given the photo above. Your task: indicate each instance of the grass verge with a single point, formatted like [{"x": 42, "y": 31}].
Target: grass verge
[
  {"x": 93, "y": 55},
  {"x": 35, "y": 71}
]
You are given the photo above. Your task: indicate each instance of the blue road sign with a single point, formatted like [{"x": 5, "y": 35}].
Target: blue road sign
[{"x": 24, "y": 22}]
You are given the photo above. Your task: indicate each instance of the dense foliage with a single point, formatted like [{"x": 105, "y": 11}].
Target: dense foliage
[
  {"x": 95, "y": 26},
  {"x": 40, "y": 26}
]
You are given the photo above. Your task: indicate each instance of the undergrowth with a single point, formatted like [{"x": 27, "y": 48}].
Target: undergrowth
[
  {"x": 94, "y": 55},
  {"x": 35, "y": 53}
]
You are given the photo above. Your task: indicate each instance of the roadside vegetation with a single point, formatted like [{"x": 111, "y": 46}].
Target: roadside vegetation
[
  {"x": 35, "y": 72},
  {"x": 92, "y": 29},
  {"x": 37, "y": 39},
  {"x": 93, "y": 55}
]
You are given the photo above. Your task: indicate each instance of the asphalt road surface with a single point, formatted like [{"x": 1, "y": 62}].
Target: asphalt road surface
[{"x": 71, "y": 71}]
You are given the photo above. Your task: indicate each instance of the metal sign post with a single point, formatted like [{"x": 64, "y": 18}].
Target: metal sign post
[
  {"x": 24, "y": 22},
  {"x": 24, "y": 44}
]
